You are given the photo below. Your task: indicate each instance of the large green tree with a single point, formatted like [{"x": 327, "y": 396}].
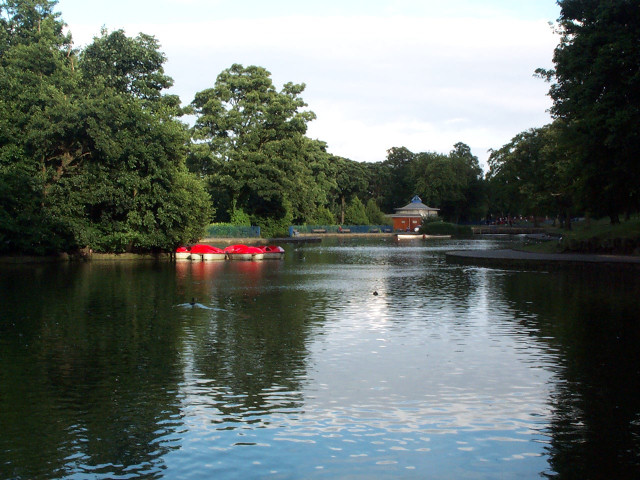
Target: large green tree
[
  {"x": 401, "y": 183},
  {"x": 138, "y": 193},
  {"x": 84, "y": 159},
  {"x": 355, "y": 213},
  {"x": 128, "y": 65},
  {"x": 596, "y": 91},
  {"x": 250, "y": 145},
  {"x": 350, "y": 180},
  {"x": 37, "y": 83},
  {"x": 532, "y": 175}
]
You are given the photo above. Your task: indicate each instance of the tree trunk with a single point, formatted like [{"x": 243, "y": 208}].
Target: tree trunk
[
  {"x": 567, "y": 221},
  {"x": 342, "y": 212}
]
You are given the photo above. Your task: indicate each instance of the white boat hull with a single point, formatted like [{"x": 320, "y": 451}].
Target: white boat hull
[
  {"x": 245, "y": 256},
  {"x": 208, "y": 257}
]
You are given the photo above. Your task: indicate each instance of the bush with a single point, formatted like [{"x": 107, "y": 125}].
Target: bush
[
  {"x": 355, "y": 213},
  {"x": 374, "y": 214},
  {"x": 324, "y": 216},
  {"x": 273, "y": 227},
  {"x": 240, "y": 218},
  {"x": 444, "y": 228}
]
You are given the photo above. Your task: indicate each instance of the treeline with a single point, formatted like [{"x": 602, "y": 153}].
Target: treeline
[
  {"x": 94, "y": 153},
  {"x": 587, "y": 162},
  {"x": 251, "y": 150}
]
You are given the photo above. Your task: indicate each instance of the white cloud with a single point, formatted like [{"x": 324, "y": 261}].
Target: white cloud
[{"x": 377, "y": 82}]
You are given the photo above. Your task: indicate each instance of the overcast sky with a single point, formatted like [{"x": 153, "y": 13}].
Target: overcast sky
[{"x": 424, "y": 74}]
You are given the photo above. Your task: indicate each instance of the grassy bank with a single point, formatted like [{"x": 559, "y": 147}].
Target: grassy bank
[{"x": 594, "y": 236}]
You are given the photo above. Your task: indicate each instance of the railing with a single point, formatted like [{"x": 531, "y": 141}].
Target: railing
[{"x": 232, "y": 231}]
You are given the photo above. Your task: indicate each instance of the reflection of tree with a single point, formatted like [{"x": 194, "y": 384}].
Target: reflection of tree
[
  {"x": 257, "y": 346},
  {"x": 591, "y": 320},
  {"x": 439, "y": 287},
  {"x": 88, "y": 381}
]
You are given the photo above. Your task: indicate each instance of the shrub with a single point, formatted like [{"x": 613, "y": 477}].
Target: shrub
[
  {"x": 355, "y": 213},
  {"x": 324, "y": 216},
  {"x": 444, "y": 228}
]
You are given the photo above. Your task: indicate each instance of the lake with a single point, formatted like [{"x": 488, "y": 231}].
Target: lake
[{"x": 347, "y": 359}]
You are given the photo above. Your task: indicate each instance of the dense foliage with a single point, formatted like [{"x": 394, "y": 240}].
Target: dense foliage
[
  {"x": 586, "y": 161},
  {"x": 596, "y": 93},
  {"x": 91, "y": 152},
  {"x": 445, "y": 228},
  {"x": 453, "y": 183},
  {"x": 532, "y": 175},
  {"x": 250, "y": 147}
]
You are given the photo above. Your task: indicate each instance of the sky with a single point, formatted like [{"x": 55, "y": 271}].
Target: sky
[{"x": 423, "y": 74}]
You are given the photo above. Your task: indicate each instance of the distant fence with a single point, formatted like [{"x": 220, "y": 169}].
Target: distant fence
[
  {"x": 321, "y": 229},
  {"x": 232, "y": 231}
]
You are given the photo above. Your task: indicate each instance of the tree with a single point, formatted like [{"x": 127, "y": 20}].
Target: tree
[
  {"x": 379, "y": 181},
  {"x": 374, "y": 214},
  {"x": 132, "y": 191},
  {"x": 350, "y": 179},
  {"x": 138, "y": 193},
  {"x": 474, "y": 202},
  {"x": 532, "y": 175},
  {"x": 597, "y": 94},
  {"x": 451, "y": 182},
  {"x": 401, "y": 183},
  {"x": 250, "y": 146},
  {"x": 86, "y": 161},
  {"x": 355, "y": 213},
  {"x": 37, "y": 81},
  {"x": 129, "y": 65},
  {"x": 323, "y": 216}
]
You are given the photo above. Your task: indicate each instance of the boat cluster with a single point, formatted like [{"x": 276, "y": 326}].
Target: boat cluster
[{"x": 202, "y": 252}]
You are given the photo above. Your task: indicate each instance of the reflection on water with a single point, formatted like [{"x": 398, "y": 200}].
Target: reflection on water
[{"x": 296, "y": 369}]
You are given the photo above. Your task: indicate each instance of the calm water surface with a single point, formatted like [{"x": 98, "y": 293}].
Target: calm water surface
[{"x": 297, "y": 369}]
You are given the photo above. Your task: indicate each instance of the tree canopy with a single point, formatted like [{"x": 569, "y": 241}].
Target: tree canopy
[
  {"x": 93, "y": 152},
  {"x": 251, "y": 148},
  {"x": 90, "y": 156},
  {"x": 531, "y": 175},
  {"x": 587, "y": 159},
  {"x": 453, "y": 183},
  {"x": 596, "y": 92}
]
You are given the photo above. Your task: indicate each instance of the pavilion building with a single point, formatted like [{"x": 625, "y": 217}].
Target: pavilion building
[{"x": 411, "y": 216}]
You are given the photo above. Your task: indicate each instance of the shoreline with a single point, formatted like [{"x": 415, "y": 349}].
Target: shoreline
[
  {"x": 506, "y": 258},
  {"x": 502, "y": 258}
]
